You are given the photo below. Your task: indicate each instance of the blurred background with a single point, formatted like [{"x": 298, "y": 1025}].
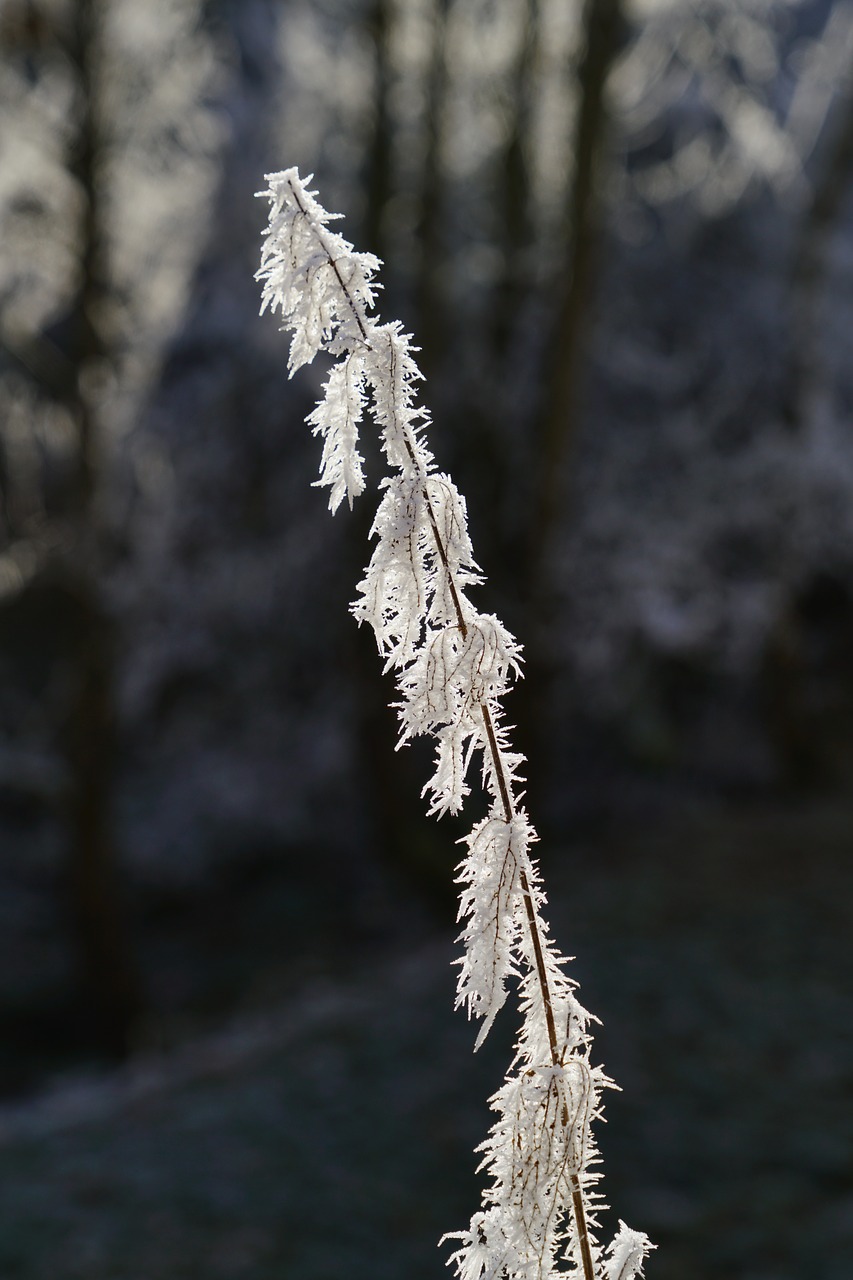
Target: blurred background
[{"x": 622, "y": 234}]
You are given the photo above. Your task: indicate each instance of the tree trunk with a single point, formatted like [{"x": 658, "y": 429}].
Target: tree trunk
[{"x": 106, "y": 965}]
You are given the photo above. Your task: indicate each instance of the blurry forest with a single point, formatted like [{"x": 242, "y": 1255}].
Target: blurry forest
[{"x": 622, "y": 234}]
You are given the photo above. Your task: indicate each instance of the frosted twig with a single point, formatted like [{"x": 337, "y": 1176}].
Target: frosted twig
[{"x": 453, "y": 666}]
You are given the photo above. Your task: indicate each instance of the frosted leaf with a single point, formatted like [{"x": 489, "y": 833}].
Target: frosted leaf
[
  {"x": 531, "y": 1154},
  {"x": 313, "y": 276},
  {"x": 447, "y": 508},
  {"x": 571, "y": 1020},
  {"x": 447, "y": 786},
  {"x": 336, "y": 419},
  {"x": 454, "y": 674},
  {"x": 491, "y": 657},
  {"x": 490, "y": 903},
  {"x": 626, "y": 1254},
  {"x": 394, "y": 593},
  {"x": 393, "y": 375},
  {"x": 507, "y": 763}
]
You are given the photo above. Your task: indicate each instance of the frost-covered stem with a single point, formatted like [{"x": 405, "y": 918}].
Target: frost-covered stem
[
  {"x": 507, "y": 801},
  {"x": 454, "y": 664},
  {"x": 500, "y": 774},
  {"x": 509, "y": 813},
  {"x": 530, "y": 912}
]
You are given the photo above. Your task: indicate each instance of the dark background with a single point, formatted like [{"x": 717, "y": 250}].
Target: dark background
[{"x": 622, "y": 235}]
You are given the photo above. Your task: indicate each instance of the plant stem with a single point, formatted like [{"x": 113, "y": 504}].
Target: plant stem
[
  {"x": 530, "y": 911},
  {"x": 504, "y": 788}
]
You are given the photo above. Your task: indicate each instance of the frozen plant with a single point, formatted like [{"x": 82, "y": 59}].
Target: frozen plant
[{"x": 453, "y": 665}]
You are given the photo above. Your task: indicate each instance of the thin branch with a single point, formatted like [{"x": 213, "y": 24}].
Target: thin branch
[
  {"x": 454, "y": 666},
  {"x": 504, "y": 788}
]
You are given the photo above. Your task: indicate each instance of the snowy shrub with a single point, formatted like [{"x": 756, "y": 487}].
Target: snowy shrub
[{"x": 453, "y": 666}]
